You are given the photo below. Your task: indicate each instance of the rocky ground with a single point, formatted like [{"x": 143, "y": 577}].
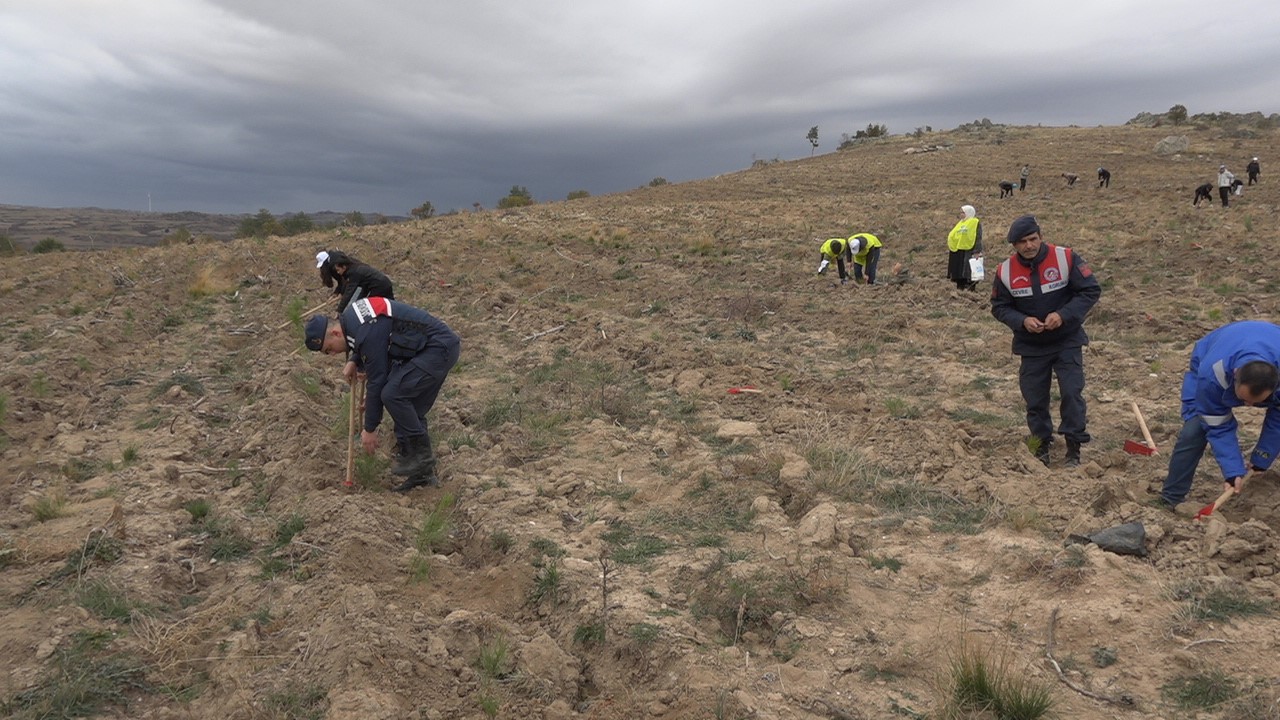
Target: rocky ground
[{"x": 618, "y": 535}]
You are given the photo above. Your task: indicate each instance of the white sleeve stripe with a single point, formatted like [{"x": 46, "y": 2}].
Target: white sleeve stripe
[{"x": 1220, "y": 373}]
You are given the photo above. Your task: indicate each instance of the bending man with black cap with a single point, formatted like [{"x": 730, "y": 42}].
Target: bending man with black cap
[
  {"x": 406, "y": 354},
  {"x": 1043, "y": 292}
]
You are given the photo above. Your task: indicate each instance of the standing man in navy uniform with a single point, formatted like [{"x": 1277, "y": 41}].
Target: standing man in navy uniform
[{"x": 1043, "y": 292}]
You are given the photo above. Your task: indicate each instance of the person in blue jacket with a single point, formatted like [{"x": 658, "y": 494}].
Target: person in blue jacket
[
  {"x": 406, "y": 354},
  {"x": 1043, "y": 292},
  {"x": 1237, "y": 364}
]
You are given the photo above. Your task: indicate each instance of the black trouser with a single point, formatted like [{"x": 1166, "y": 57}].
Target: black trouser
[
  {"x": 1022, "y": 184},
  {"x": 1035, "y": 378},
  {"x": 873, "y": 261},
  {"x": 1224, "y": 192},
  {"x": 958, "y": 270},
  {"x": 1253, "y": 178},
  {"x": 412, "y": 388}
]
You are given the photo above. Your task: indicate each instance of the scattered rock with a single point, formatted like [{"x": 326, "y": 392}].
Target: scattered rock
[
  {"x": 1172, "y": 145},
  {"x": 737, "y": 429},
  {"x": 818, "y": 526}
]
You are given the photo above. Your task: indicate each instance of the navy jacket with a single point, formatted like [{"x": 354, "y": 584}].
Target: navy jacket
[
  {"x": 1040, "y": 289},
  {"x": 383, "y": 334}
]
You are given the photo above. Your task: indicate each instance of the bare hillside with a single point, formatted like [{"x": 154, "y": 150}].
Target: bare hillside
[{"x": 617, "y": 535}]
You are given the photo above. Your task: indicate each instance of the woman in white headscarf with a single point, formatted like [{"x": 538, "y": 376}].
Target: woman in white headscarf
[{"x": 964, "y": 243}]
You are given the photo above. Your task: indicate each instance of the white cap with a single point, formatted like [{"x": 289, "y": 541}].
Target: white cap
[{"x": 322, "y": 257}]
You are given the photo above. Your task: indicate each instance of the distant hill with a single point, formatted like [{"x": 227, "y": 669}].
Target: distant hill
[{"x": 96, "y": 229}]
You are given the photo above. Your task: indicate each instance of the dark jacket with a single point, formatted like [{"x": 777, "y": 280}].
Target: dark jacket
[
  {"x": 1046, "y": 294},
  {"x": 382, "y": 334},
  {"x": 361, "y": 281}
]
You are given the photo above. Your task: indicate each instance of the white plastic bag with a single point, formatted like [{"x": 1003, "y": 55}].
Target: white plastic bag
[{"x": 977, "y": 271}]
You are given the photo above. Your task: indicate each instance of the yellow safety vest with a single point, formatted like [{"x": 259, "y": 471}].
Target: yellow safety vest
[
  {"x": 964, "y": 235},
  {"x": 834, "y": 248},
  {"x": 866, "y": 241}
]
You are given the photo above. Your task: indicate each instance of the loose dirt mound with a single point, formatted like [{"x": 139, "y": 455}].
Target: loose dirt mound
[{"x": 616, "y": 535}]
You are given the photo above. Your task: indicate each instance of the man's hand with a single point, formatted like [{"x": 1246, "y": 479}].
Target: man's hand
[
  {"x": 1052, "y": 321},
  {"x": 349, "y": 371},
  {"x": 1033, "y": 325},
  {"x": 369, "y": 441}
]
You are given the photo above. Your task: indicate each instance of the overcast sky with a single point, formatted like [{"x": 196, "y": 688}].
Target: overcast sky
[{"x": 229, "y": 106}]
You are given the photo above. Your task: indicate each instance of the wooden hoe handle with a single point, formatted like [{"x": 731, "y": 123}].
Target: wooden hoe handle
[{"x": 1146, "y": 434}]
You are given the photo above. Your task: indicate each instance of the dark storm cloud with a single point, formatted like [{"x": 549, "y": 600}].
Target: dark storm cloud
[{"x": 233, "y": 105}]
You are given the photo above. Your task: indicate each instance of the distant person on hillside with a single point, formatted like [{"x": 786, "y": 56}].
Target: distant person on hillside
[
  {"x": 1026, "y": 173},
  {"x": 1225, "y": 178},
  {"x": 1043, "y": 292},
  {"x": 406, "y": 353},
  {"x": 865, "y": 248},
  {"x": 836, "y": 249},
  {"x": 1104, "y": 177},
  {"x": 1006, "y": 189},
  {"x": 1254, "y": 170},
  {"x": 964, "y": 242},
  {"x": 1232, "y": 366},
  {"x": 350, "y": 278},
  {"x": 1205, "y": 193},
  {"x": 1070, "y": 178}
]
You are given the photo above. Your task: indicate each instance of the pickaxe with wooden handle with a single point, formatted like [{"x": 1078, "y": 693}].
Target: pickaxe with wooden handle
[
  {"x": 1134, "y": 448},
  {"x": 357, "y": 391},
  {"x": 1212, "y": 507}
]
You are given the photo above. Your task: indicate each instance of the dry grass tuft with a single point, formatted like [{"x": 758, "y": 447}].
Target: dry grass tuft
[{"x": 209, "y": 282}]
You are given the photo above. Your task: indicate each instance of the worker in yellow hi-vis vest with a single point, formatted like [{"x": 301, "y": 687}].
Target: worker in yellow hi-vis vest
[
  {"x": 866, "y": 256},
  {"x": 964, "y": 244},
  {"x": 836, "y": 249}
]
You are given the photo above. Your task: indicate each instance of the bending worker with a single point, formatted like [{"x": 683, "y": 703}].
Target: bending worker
[
  {"x": 1232, "y": 366},
  {"x": 866, "y": 256},
  {"x": 351, "y": 279},
  {"x": 836, "y": 249},
  {"x": 407, "y": 353}
]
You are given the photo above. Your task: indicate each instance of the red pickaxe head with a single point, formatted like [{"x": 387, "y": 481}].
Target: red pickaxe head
[
  {"x": 1133, "y": 447},
  {"x": 1209, "y": 509}
]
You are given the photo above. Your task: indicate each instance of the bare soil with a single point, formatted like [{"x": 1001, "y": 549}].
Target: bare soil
[{"x": 625, "y": 537}]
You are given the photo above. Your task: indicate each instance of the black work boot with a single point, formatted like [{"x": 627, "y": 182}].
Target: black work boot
[
  {"x": 427, "y": 477},
  {"x": 425, "y": 473},
  {"x": 416, "y": 451},
  {"x": 1042, "y": 450},
  {"x": 1073, "y": 454}
]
